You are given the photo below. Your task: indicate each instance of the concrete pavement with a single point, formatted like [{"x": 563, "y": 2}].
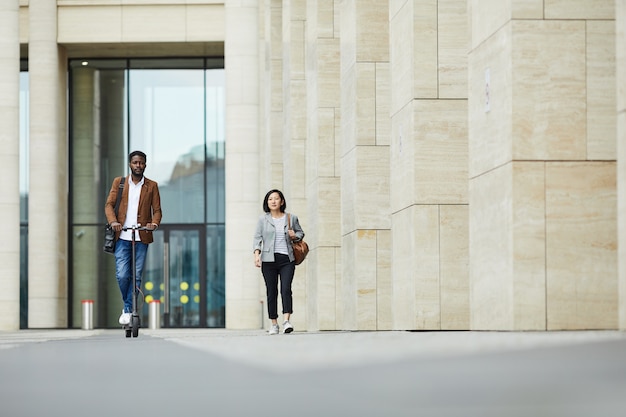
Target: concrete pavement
[{"x": 168, "y": 372}]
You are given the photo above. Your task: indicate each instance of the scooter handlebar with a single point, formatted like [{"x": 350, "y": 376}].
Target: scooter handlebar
[{"x": 136, "y": 228}]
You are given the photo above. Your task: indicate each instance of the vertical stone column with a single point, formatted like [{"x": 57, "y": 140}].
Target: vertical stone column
[
  {"x": 543, "y": 241},
  {"x": 322, "y": 163},
  {"x": 270, "y": 152},
  {"x": 429, "y": 164},
  {"x": 620, "y": 26},
  {"x": 295, "y": 133},
  {"x": 243, "y": 199},
  {"x": 9, "y": 165},
  {"x": 47, "y": 209},
  {"x": 365, "y": 212}
]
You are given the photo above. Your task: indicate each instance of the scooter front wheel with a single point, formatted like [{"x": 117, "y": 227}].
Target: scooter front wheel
[
  {"x": 128, "y": 331},
  {"x": 135, "y": 323}
]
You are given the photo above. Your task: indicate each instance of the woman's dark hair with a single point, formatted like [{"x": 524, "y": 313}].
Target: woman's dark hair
[
  {"x": 283, "y": 206},
  {"x": 137, "y": 153}
]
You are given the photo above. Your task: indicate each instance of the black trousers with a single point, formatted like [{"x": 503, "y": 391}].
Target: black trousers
[{"x": 285, "y": 269}]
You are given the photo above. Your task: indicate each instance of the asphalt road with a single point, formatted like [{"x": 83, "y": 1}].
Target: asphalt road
[{"x": 205, "y": 373}]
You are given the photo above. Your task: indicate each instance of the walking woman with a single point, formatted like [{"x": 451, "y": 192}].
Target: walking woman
[{"x": 273, "y": 253}]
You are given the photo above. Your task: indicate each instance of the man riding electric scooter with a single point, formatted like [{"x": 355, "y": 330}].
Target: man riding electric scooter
[{"x": 139, "y": 213}]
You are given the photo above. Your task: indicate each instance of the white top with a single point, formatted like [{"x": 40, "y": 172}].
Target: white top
[
  {"x": 134, "y": 192},
  {"x": 280, "y": 244}
]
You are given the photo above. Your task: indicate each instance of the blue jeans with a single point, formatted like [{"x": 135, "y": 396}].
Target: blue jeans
[{"x": 123, "y": 269}]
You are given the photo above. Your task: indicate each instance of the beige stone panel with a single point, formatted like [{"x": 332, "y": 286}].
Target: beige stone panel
[
  {"x": 299, "y": 318},
  {"x": 440, "y": 136},
  {"x": 401, "y": 57},
  {"x": 371, "y": 204},
  {"x": 140, "y": 24},
  {"x": 620, "y": 39},
  {"x": 297, "y": 102},
  {"x": 328, "y": 231},
  {"x": 601, "y": 94},
  {"x": 204, "y": 22},
  {"x": 23, "y": 25},
  {"x": 326, "y": 18},
  {"x": 384, "y": 283},
  {"x": 529, "y": 247},
  {"x": 276, "y": 85},
  {"x": 242, "y": 120},
  {"x": 348, "y": 305},
  {"x": 579, "y": 9},
  {"x": 46, "y": 313},
  {"x": 296, "y": 49},
  {"x": 382, "y": 105},
  {"x": 581, "y": 246},
  {"x": 489, "y": 103},
  {"x": 327, "y": 288},
  {"x": 313, "y": 265},
  {"x": 372, "y": 30},
  {"x": 349, "y": 192},
  {"x": 402, "y": 159},
  {"x": 395, "y": 7},
  {"x": 242, "y": 187},
  {"x": 527, "y": 9},
  {"x": 276, "y": 37},
  {"x": 338, "y": 141},
  {"x": 621, "y": 209},
  {"x": 491, "y": 248},
  {"x": 326, "y": 165},
  {"x": 246, "y": 314},
  {"x": 90, "y": 24},
  {"x": 426, "y": 221},
  {"x": 425, "y": 67},
  {"x": 347, "y": 13},
  {"x": 486, "y": 17},
  {"x": 454, "y": 267},
  {"x": 328, "y": 73},
  {"x": 549, "y": 90},
  {"x": 349, "y": 107},
  {"x": 452, "y": 48},
  {"x": 365, "y": 268},
  {"x": 365, "y": 125},
  {"x": 403, "y": 267}
]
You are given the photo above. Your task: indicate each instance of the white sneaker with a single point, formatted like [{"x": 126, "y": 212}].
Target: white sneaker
[
  {"x": 124, "y": 318},
  {"x": 274, "y": 329},
  {"x": 287, "y": 327}
]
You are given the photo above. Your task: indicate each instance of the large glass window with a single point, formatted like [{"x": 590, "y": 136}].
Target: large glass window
[{"x": 173, "y": 110}]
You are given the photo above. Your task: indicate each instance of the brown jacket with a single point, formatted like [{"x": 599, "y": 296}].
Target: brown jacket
[{"x": 149, "y": 210}]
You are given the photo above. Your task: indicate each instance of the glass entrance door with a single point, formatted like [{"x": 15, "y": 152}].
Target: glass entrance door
[{"x": 175, "y": 275}]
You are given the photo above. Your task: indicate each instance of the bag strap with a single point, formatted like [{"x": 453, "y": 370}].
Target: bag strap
[{"x": 119, "y": 195}]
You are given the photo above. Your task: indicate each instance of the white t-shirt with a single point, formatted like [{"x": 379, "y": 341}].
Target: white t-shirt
[{"x": 134, "y": 193}]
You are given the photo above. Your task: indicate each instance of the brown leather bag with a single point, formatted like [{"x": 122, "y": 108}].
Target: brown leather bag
[{"x": 300, "y": 247}]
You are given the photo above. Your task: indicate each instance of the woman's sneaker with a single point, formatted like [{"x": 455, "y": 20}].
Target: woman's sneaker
[
  {"x": 287, "y": 327},
  {"x": 274, "y": 329}
]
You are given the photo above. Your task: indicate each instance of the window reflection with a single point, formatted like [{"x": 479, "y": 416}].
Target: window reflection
[{"x": 173, "y": 110}]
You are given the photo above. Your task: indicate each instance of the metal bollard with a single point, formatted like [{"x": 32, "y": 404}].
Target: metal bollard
[
  {"x": 154, "y": 315},
  {"x": 87, "y": 314}
]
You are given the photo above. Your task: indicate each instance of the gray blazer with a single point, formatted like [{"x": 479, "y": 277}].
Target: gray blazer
[{"x": 266, "y": 233}]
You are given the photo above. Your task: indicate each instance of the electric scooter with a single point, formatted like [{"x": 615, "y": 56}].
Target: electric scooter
[{"x": 132, "y": 328}]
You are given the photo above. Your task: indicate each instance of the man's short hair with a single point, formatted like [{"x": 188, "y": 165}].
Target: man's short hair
[{"x": 137, "y": 153}]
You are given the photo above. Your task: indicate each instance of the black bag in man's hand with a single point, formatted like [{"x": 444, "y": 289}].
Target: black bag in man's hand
[
  {"x": 109, "y": 239},
  {"x": 109, "y": 233}
]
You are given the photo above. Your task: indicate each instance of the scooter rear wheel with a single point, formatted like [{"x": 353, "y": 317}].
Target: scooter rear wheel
[{"x": 128, "y": 331}]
